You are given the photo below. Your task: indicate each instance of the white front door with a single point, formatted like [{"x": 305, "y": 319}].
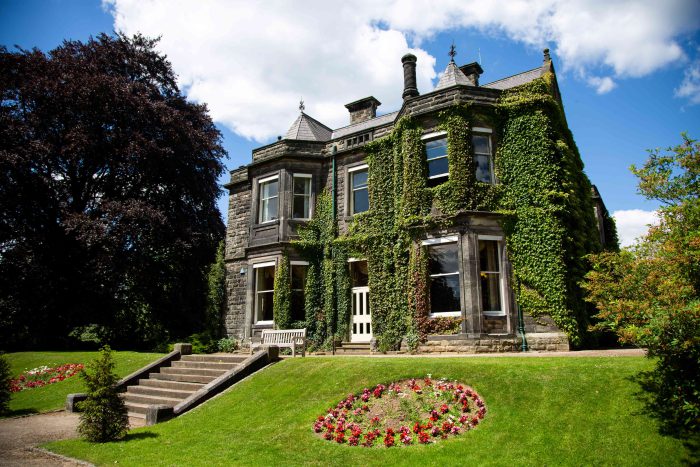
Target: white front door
[{"x": 361, "y": 318}]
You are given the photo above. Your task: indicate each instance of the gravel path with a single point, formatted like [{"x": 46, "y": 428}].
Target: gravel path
[{"x": 20, "y": 436}]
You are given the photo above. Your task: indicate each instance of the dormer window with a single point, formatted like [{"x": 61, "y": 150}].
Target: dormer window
[
  {"x": 436, "y": 156},
  {"x": 269, "y": 196}
]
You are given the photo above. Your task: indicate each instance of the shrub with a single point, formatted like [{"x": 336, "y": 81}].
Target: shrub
[
  {"x": 227, "y": 344},
  {"x": 5, "y": 378},
  {"x": 202, "y": 342},
  {"x": 650, "y": 294},
  {"x": 104, "y": 416}
]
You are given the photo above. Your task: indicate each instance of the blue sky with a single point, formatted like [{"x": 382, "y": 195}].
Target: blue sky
[{"x": 629, "y": 73}]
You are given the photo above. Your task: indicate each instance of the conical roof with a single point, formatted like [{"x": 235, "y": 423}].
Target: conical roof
[
  {"x": 306, "y": 128},
  {"x": 452, "y": 76}
]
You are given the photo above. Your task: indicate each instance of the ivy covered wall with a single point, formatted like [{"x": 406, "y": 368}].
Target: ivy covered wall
[{"x": 542, "y": 194}]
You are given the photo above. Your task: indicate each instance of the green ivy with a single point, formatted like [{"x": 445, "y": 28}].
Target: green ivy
[
  {"x": 282, "y": 300},
  {"x": 543, "y": 196}
]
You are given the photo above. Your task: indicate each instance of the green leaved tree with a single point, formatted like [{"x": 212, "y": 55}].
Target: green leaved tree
[
  {"x": 650, "y": 294},
  {"x": 103, "y": 414}
]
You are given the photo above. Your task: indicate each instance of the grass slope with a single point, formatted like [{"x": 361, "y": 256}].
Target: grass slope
[
  {"x": 541, "y": 411},
  {"x": 53, "y": 396}
]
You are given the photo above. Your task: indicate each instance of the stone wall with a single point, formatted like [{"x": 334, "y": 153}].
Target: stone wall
[
  {"x": 540, "y": 342},
  {"x": 236, "y": 290},
  {"x": 238, "y": 220}
]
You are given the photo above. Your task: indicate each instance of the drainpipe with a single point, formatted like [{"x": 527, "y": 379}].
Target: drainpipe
[
  {"x": 334, "y": 151},
  {"x": 521, "y": 323}
]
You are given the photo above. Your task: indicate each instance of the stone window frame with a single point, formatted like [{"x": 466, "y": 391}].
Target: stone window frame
[
  {"x": 501, "y": 280},
  {"x": 260, "y": 182},
  {"x": 255, "y": 266},
  {"x": 309, "y": 177},
  {"x": 488, "y": 132},
  {"x": 349, "y": 191},
  {"x": 434, "y": 136},
  {"x": 457, "y": 240}
]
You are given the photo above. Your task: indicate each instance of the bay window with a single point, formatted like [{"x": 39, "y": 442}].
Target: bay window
[
  {"x": 490, "y": 276},
  {"x": 264, "y": 291},
  {"x": 436, "y": 156},
  {"x": 443, "y": 268},
  {"x": 301, "y": 204}
]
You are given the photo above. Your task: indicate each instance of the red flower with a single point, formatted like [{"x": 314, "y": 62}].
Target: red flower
[{"x": 444, "y": 408}]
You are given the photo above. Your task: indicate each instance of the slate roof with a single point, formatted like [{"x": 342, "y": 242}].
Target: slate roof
[
  {"x": 452, "y": 76},
  {"x": 366, "y": 125},
  {"x": 515, "y": 80},
  {"x": 307, "y": 128}
]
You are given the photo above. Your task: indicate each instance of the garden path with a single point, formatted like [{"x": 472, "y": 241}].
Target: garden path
[{"x": 20, "y": 434}]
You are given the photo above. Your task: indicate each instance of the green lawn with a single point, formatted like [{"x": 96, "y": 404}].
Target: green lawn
[
  {"x": 541, "y": 411},
  {"x": 53, "y": 396}
]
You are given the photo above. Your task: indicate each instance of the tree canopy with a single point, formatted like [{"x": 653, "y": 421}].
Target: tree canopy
[
  {"x": 650, "y": 294},
  {"x": 108, "y": 194}
]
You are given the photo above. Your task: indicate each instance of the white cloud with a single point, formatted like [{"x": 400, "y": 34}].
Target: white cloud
[
  {"x": 633, "y": 223},
  {"x": 251, "y": 61},
  {"x": 603, "y": 84},
  {"x": 690, "y": 87}
]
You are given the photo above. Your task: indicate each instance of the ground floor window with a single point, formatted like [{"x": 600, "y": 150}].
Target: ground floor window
[
  {"x": 443, "y": 267},
  {"x": 299, "y": 270},
  {"x": 490, "y": 276},
  {"x": 264, "y": 291}
]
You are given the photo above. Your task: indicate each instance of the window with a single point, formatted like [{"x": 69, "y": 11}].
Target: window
[
  {"x": 443, "y": 267},
  {"x": 359, "y": 195},
  {"x": 357, "y": 140},
  {"x": 482, "y": 158},
  {"x": 301, "y": 205},
  {"x": 490, "y": 277},
  {"x": 298, "y": 282},
  {"x": 264, "y": 291},
  {"x": 436, "y": 155},
  {"x": 269, "y": 194}
]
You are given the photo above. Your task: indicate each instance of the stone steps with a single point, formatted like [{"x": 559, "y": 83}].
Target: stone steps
[
  {"x": 175, "y": 383},
  {"x": 182, "y": 378},
  {"x": 224, "y": 366},
  {"x": 353, "y": 348}
]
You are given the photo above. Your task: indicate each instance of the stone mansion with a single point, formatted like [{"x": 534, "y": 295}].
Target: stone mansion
[{"x": 466, "y": 221}]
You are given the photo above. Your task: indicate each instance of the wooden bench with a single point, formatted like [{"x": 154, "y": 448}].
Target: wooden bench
[{"x": 292, "y": 338}]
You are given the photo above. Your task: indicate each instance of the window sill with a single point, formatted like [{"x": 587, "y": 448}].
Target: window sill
[
  {"x": 264, "y": 323},
  {"x": 494, "y": 314},
  {"x": 446, "y": 314}
]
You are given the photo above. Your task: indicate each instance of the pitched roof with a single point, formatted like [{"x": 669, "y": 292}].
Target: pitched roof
[
  {"x": 452, "y": 76},
  {"x": 366, "y": 125},
  {"x": 306, "y": 128},
  {"x": 516, "y": 80}
]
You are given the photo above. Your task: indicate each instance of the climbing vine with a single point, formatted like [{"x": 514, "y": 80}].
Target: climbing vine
[
  {"x": 282, "y": 298},
  {"x": 542, "y": 195}
]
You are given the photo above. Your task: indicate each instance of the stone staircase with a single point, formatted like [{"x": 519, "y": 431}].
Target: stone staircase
[
  {"x": 173, "y": 384},
  {"x": 353, "y": 348}
]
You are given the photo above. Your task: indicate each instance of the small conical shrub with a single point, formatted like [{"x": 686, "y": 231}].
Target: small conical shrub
[
  {"x": 103, "y": 414},
  {"x": 5, "y": 377}
]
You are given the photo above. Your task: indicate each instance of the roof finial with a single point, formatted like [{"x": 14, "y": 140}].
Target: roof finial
[
  {"x": 301, "y": 105},
  {"x": 452, "y": 52}
]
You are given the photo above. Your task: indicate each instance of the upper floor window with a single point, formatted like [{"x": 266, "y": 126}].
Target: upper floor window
[
  {"x": 436, "y": 155},
  {"x": 359, "y": 193},
  {"x": 301, "y": 205},
  {"x": 269, "y": 196},
  {"x": 483, "y": 157},
  {"x": 443, "y": 267},
  {"x": 490, "y": 276}
]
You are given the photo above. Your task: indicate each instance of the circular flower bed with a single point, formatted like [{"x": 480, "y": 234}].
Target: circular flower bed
[
  {"x": 412, "y": 411},
  {"x": 43, "y": 375}
]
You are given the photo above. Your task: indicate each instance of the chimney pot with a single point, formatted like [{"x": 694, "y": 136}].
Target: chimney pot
[
  {"x": 547, "y": 58},
  {"x": 410, "y": 89}
]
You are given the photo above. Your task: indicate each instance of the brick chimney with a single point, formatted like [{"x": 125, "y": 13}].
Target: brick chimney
[
  {"x": 410, "y": 89},
  {"x": 472, "y": 71},
  {"x": 362, "y": 110}
]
